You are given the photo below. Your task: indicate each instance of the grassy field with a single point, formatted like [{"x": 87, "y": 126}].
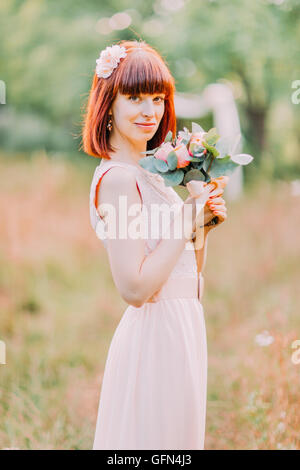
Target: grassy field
[{"x": 59, "y": 309}]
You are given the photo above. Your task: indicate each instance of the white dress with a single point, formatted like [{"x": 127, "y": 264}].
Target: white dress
[{"x": 153, "y": 393}]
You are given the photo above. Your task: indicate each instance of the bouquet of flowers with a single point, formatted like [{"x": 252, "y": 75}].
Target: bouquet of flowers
[{"x": 197, "y": 155}]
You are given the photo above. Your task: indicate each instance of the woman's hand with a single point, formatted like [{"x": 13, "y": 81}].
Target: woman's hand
[
  {"x": 216, "y": 204},
  {"x": 208, "y": 213},
  {"x": 209, "y": 196},
  {"x": 218, "y": 208}
]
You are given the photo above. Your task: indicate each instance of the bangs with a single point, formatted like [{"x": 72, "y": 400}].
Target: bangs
[{"x": 144, "y": 73}]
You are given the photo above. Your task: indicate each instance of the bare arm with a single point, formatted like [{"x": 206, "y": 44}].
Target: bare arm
[
  {"x": 136, "y": 276},
  {"x": 202, "y": 253}
]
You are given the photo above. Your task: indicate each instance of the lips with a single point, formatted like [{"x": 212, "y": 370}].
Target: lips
[{"x": 145, "y": 124}]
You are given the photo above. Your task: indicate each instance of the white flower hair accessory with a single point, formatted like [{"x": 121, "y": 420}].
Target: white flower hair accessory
[{"x": 109, "y": 59}]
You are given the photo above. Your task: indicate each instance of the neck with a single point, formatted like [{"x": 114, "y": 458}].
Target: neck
[{"x": 126, "y": 150}]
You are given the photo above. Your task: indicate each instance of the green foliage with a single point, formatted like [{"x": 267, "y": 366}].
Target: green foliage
[
  {"x": 48, "y": 52},
  {"x": 205, "y": 160},
  {"x": 193, "y": 174},
  {"x": 224, "y": 166},
  {"x": 160, "y": 165},
  {"x": 172, "y": 160},
  {"x": 149, "y": 164},
  {"x": 169, "y": 136},
  {"x": 173, "y": 178}
]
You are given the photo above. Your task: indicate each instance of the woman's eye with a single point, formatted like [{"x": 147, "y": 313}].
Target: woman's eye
[{"x": 134, "y": 98}]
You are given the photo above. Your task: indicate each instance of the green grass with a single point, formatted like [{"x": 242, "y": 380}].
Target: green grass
[{"x": 59, "y": 309}]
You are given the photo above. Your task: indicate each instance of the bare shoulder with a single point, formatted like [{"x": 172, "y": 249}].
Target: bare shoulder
[{"x": 115, "y": 182}]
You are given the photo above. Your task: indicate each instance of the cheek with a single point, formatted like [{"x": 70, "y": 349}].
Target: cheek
[
  {"x": 130, "y": 112},
  {"x": 123, "y": 114},
  {"x": 161, "y": 111},
  {"x": 122, "y": 108}
]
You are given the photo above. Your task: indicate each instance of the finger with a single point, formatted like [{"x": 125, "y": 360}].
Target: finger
[
  {"x": 215, "y": 200},
  {"x": 221, "y": 182},
  {"x": 202, "y": 197},
  {"x": 218, "y": 207},
  {"x": 212, "y": 186},
  {"x": 210, "y": 214},
  {"x": 216, "y": 192},
  {"x": 217, "y": 211},
  {"x": 216, "y": 203}
]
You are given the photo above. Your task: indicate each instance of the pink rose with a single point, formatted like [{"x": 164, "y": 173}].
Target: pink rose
[
  {"x": 182, "y": 155},
  {"x": 198, "y": 137},
  {"x": 163, "y": 152}
]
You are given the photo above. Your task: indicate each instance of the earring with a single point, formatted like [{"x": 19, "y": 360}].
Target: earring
[{"x": 109, "y": 125}]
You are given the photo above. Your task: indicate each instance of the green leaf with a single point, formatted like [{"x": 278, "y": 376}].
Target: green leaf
[
  {"x": 242, "y": 158},
  {"x": 212, "y": 136},
  {"x": 211, "y": 149},
  {"x": 143, "y": 162},
  {"x": 169, "y": 137},
  {"x": 235, "y": 144},
  {"x": 222, "y": 166},
  {"x": 193, "y": 174},
  {"x": 173, "y": 178},
  {"x": 207, "y": 162},
  {"x": 148, "y": 164},
  {"x": 172, "y": 160},
  {"x": 150, "y": 152},
  {"x": 212, "y": 140},
  {"x": 195, "y": 159},
  {"x": 223, "y": 146},
  {"x": 196, "y": 128},
  {"x": 160, "y": 165}
]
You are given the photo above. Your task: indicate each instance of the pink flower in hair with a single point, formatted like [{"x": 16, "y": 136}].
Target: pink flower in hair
[{"x": 109, "y": 59}]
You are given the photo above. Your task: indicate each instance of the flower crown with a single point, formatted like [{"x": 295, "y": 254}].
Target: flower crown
[{"x": 109, "y": 59}]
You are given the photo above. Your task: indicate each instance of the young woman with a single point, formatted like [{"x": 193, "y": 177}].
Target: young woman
[{"x": 153, "y": 393}]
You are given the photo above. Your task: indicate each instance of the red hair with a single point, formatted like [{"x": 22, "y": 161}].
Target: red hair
[{"x": 142, "y": 71}]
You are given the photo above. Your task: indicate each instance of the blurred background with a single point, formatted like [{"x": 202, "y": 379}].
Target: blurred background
[{"x": 236, "y": 66}]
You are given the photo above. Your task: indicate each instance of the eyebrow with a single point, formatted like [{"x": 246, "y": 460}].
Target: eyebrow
[{"x": 147, "y": 94}]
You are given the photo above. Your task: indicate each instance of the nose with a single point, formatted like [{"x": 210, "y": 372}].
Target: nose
[{"x": 148, "y": 107}]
